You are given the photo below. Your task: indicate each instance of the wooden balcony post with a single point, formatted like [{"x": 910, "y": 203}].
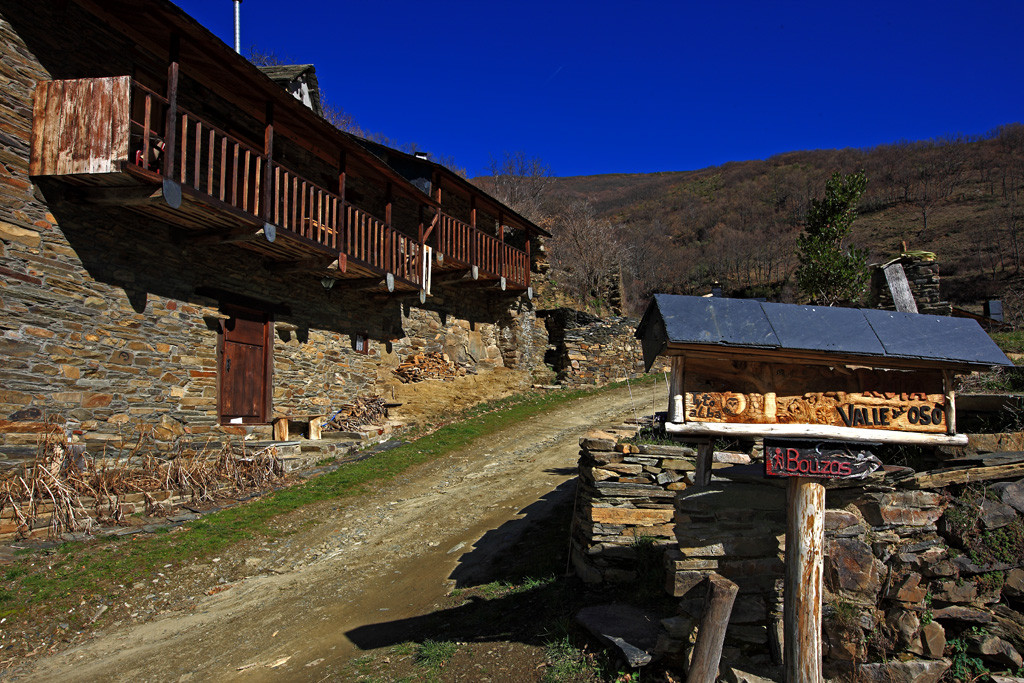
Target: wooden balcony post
[
  {"x": 529, "y": 262},
  {"x": 170, "y": 125},
  {"x": 474, "y": 254},
  {"x": 501, "y": 249},
  {"x": 389, "y": 199},
  {"x": 341, "y": 193},
  {"x": 268, "y": 153}
]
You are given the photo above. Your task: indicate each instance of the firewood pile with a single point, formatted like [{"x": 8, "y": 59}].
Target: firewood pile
[
  {"x": 370, "y": 410},
  {"x": 421, "y": 366},
  {"x": 64, "y": 482}
]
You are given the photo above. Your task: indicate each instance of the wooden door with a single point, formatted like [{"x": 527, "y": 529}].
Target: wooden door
[{"x": 245, "y": 368}]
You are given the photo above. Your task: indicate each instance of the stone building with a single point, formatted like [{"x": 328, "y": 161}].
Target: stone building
[{"x": 185, "y": 247}]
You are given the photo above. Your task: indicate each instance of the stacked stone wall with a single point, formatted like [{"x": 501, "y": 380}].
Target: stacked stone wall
[
  {"x": 587, "y": 350},
  {"x": 914, "y": 560},
  {"x": 923, "y": 277},
  {"x": 109, "y": 320}
]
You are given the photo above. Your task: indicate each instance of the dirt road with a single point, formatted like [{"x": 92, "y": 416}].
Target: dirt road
[{"x": 386, "y": 556}]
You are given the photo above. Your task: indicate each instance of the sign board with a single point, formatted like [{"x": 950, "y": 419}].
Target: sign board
[
  {"x": 818, "y": 459},
  {"x": 769, "y": 393}
]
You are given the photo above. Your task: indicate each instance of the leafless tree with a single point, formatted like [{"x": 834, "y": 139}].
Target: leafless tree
[{"x": 521, "y": 183}]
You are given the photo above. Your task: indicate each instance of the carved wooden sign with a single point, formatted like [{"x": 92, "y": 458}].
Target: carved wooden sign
[
  {"x": 760, "y": 393},
  {"x": 823, "y": 460}
]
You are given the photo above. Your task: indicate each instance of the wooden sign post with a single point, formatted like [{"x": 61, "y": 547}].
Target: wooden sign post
[{"x": 806, "y": 464}]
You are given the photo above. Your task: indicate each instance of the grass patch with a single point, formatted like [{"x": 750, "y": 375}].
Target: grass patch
[
  {"x": 95, "y": 571},
  {"x": 434, "y": 654}
]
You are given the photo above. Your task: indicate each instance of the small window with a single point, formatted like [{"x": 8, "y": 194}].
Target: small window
[{"x": 361, "y": 344}]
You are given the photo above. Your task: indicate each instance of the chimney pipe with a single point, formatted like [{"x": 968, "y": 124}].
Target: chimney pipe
[{"x": 238, "y": 26}]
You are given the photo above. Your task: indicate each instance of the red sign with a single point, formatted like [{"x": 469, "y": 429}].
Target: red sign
[{"x": 818, "y": 459}]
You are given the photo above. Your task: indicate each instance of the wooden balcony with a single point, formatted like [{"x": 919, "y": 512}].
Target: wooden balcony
[{"x": 110, "y": 138}]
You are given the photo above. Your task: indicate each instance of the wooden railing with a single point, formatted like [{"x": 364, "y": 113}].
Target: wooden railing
[
  {"x": 213, "y": 163},
  {"x": 93, "y": 125},
  {"x": 472, "y": 246}
]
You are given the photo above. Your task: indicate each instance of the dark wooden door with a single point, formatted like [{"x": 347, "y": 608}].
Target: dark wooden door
[{"x": 245, "y": 357}]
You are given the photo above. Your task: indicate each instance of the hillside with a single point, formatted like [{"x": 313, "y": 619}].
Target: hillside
[{"x": 737, "y": 223}]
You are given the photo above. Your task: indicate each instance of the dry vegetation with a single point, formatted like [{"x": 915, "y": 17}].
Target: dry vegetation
[{"x": 76, "y": 490}]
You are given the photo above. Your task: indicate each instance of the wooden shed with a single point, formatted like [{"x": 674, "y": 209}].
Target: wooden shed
[{"x": 747, "y": 368}]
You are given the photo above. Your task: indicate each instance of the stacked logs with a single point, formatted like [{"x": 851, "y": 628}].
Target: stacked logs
[
  {"x": 421, "y": 366},
  {"x": 371, "y": 410}
]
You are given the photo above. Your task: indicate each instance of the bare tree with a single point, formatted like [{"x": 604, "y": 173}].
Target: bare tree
[
  {"x": 584, "y": 257},
  {"x": 521, "y": 183}
]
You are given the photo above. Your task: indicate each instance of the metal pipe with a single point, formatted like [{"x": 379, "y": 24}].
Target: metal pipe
[{"x": 238, "y": 26}]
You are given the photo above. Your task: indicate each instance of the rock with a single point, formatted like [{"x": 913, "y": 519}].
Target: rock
[
  {"x": 995, "y": 515},
  {"x": 913, "y": 671},
  {"x": 680, "y": 583},
  {"x": 962, "y": 613},
  {"x": 839, "y": 519},
  {"x": 731, "y": 458},
  {"x": 1013, "y": 583},
  {"x": 955, "y": 591},
  {"x": 680, "y": 628},
  {"x": 909, "y": 590},
  {"x": 933, "y": 640},
  {"x": 905, "y": 623},
  {"x": 850, "y": 566},
  {"x": 1005, "y": 679},
  {"x": 1011, "y": 494},
  {"x": 596, "y": 443},
  {"x": 994, "y": 648},
  {"x": 631, "y": 630}
]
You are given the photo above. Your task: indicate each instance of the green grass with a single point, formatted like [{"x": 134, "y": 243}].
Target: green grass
[
  {"x": 1009, "y": 342},
  {"x": 434, "y": 654},
  {"x": 96, "y": 569}
]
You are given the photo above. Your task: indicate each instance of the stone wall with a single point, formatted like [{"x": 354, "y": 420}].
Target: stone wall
[
  {"x": 110, "y": 319},
  {"x": 587, "y": 350},
  {"x": 915, "y": 560},
  {"x": 923, "y": 277}
]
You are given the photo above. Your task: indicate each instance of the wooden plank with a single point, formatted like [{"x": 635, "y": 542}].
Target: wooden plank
[
  {"x": 234, "y": 174},
  {"x": 899, "y": 287},
  {"x": 81, "y": 108},
  {"x": 967, "y": 475},
  {"x": 183, "y": 145},
  {"x": 54, "y": 128},
  {"x": 223, "y": 167},
  {"x": 766, "y": 393},
  {"x": 120, "y": 121},
  {"x": 805, "y": 540},
  {"x": 99, "y": 156},
  {"x": 714, "y": 429},
  {"x": 37, "y": 153},
  {"x": 211, "y": 161},
  {"x": 147, "y": 115},
  {"x": 705, "y": 454},
  {"x": 707, "y": 651},
  {"x": 245, "y": 181},
  {"x": 197, "y": 166}
]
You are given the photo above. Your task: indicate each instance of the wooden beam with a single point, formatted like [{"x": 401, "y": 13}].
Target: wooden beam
[
  {"x": 118, "y": 196},
  {"x": 805, "y": 541},
  {"x": 806, "y": 431},
  {"x": 705, "y": 463},
  {"x": 947, "y": 380},
  {"x": 170, "y": 130},
  {"x": 369, "y": 283},
  {"x": 300, "y": 265},
  {"x": 231, "y": 236},
  {"x": 457, "y": 277},
  {"x": 675, "y": 390},
  {"x": 268, "y": 152},
  {"x": 707, "y": 651}
]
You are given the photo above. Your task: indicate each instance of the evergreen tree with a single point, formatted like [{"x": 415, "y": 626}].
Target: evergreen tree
[{"x": 831, "y": 273}]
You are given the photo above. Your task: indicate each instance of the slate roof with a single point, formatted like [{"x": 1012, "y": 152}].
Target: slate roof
[{"x": 683, "y": 321}]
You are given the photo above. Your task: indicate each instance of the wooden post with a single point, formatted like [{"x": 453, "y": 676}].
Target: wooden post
[
  {"x": 529, "y": 262},
  {"x": 170, "y": 125},
  {"x": 705, "y": 458},
  {"x": 268, "y": 153},
  {"x": 675, "y": 390},
  {"x": 947, "y": 380},
  {"x": 707, "y": 651},
  {"x": 344, "y": 203},
  {"x": 805, "y": 540}
]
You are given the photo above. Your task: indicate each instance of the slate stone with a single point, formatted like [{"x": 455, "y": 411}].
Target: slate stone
[
  {"x": 631, "y": 630},
  {"x": 933, "y": 640},
  {"x": 996, "y": 515},
  {"x": 913, "y": 671},
  {"x": 1013, "y": 583},
  {"x": 850, "y": 566},
  {"x": 1011, "y": 494}
]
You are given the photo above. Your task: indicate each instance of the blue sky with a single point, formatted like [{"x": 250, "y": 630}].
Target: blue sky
[{"x": 630, "y": 87}]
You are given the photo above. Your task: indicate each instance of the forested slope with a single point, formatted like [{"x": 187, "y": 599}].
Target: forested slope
[{"x": 737, "y": 223}]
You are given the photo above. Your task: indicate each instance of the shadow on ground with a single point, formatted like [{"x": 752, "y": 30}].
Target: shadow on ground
[{"x": 512, "y": 584}]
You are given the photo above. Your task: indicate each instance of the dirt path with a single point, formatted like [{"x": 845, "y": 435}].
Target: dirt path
[{"x": 309, "y": 601}]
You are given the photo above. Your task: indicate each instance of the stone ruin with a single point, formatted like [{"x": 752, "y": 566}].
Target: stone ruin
[{"x": 924, "y": 566}]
